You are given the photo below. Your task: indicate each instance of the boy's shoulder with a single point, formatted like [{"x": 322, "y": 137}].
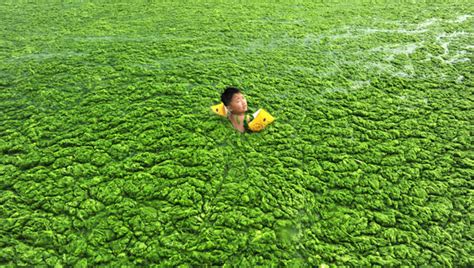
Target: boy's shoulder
[{"x": 249, "y": 117}]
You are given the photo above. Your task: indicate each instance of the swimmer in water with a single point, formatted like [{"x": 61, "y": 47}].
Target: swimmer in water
[{"x": 236, "y": 105}]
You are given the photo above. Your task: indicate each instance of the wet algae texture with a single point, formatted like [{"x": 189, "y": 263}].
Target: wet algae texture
[{"x": 111, "y": 156}]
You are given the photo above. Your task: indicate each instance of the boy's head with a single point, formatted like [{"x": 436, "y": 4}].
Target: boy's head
[{"x": 234, "y": 100}]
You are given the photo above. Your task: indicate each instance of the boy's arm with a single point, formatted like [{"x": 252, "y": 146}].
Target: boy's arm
[{"x": 250, "y": 117}]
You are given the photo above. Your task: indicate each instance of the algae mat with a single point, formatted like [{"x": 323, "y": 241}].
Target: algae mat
[{"x": 110, "y": 155}]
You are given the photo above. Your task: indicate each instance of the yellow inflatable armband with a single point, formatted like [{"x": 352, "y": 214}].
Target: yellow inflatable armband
[
  {"x": 219, "y": 109},
  {"x": 261, "y": 119}
]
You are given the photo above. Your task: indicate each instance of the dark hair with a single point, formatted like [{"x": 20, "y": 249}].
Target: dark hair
[{"x": 229, "y": 92}]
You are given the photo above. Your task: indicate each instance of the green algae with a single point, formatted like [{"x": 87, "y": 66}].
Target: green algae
[{"x": 110, "y": 155}]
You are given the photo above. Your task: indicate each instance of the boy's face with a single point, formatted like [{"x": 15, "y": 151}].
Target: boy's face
[{"x": 238, "y": 104}]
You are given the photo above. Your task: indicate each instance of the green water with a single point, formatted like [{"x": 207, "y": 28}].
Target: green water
[{"x": 110, "y": 154}]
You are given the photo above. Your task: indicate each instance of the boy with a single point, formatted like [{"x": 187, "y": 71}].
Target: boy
[{"x": 236, "y": 106}]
